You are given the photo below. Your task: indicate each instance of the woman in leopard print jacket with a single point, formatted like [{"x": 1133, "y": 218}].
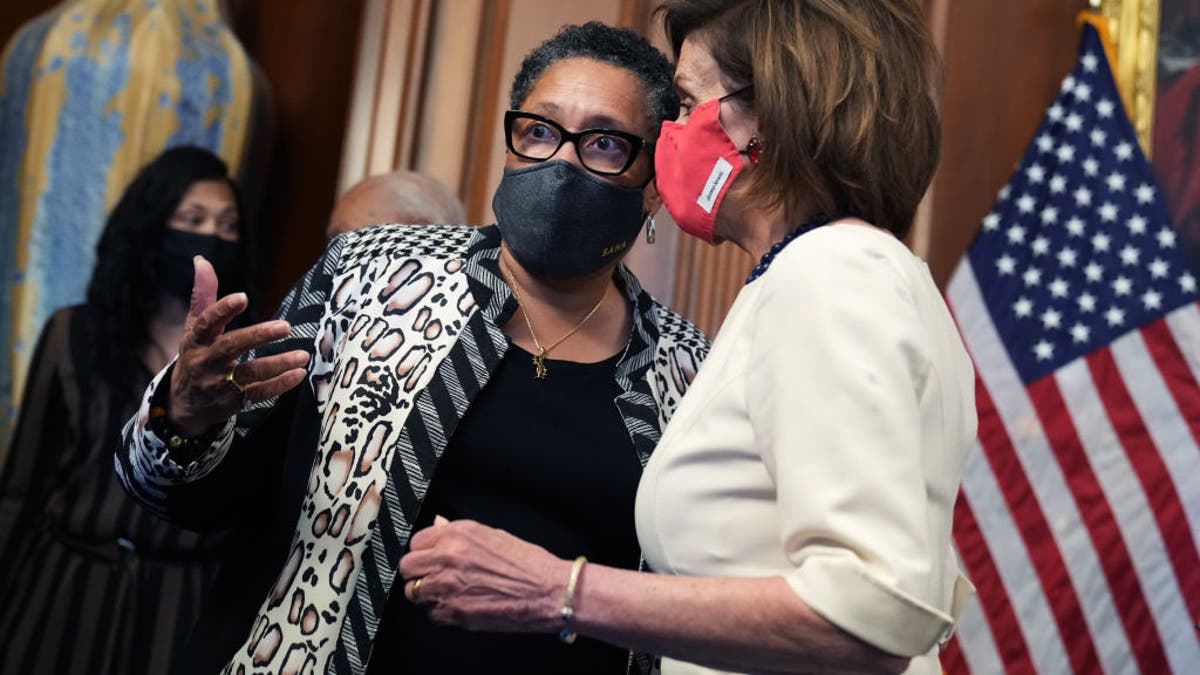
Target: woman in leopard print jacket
[{"x": 514, "y": 374}]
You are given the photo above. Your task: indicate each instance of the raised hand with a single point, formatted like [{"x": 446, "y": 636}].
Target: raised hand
[{"x": 208, "y": 386}]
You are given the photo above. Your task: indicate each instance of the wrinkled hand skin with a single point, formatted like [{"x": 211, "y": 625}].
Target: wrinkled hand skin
[
  {"x": 201, "y": 397},
  {"x": 481, "y": 578}
]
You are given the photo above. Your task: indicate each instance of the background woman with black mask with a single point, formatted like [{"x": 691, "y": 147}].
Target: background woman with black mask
[{"x": 90, "y": 582}]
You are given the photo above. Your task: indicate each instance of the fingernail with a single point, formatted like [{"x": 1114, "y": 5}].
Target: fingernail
[{"x": 440, "y": 520}]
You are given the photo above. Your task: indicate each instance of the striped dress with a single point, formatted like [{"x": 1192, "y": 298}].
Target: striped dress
[{"x": 89, "y": 581}]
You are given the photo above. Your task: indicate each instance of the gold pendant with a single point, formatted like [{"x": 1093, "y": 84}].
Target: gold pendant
[{"x": 539, "y": 364}]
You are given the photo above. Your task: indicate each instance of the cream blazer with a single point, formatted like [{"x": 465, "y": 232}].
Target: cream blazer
[{"x": 823, "y": 441}]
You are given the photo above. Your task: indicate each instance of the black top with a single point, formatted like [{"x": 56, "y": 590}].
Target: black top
[{"x": 565, "y": 479}]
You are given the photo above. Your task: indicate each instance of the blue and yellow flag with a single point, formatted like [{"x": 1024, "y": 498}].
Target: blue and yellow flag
[{"x": 90, "y": 92}]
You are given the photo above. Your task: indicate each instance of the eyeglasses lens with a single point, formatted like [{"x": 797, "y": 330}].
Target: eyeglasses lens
[{"x": 600, "y": 152}]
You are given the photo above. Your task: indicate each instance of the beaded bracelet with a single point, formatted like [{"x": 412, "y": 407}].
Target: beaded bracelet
[{"x": 182, "y": 447}]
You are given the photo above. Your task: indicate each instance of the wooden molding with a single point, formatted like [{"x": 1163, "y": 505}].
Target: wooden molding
[
  {"x": 635, "y": 14},
  {"x": 362, "y": 97},
  {"x": 390, "y": 78},
  {"x": 489, "y": 59},
  {"x": 707, "y": 280},
  {"x": 921, "y": 235},
  {"x": 419, "y": 23}
]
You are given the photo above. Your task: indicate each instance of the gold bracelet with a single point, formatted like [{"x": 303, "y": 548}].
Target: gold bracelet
[{"x": 568, "y": 610}]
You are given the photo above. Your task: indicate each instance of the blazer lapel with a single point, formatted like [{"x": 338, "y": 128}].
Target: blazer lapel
[
  {"x": 636, "y": 402},
  {"x": 437, "y": 410}
]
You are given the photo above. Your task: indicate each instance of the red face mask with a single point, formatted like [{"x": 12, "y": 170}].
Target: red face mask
[{"x": 694, "y": 165}]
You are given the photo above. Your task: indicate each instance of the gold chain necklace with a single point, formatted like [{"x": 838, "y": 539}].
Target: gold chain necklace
[{"x": 539, "y": 359}]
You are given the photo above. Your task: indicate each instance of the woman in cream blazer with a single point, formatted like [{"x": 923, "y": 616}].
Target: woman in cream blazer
[{"x": 798, "y": 507}]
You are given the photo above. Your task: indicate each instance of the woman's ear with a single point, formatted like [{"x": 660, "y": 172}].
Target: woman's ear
[{"x": 651, "y": 201}]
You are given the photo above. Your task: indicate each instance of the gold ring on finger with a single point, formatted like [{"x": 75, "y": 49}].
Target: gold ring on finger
[
  {"x": 416, "y": 592},
  {"x": 232, "y": 380}
]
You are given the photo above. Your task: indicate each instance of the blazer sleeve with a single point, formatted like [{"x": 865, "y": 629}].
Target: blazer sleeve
[
  {"x": 217, "y": 487},
  {"x": 837, "y": 361},
  {"x": 42, "y": 436}
]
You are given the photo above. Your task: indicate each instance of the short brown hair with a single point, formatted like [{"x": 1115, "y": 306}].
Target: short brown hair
[{"x": 842, "y": 93}]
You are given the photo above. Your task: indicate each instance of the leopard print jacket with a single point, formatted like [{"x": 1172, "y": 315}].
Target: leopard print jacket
[{"x": 403, "y": 327}]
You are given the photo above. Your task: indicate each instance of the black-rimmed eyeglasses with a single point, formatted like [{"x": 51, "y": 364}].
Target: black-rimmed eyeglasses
[{"x": 607, "y": 152}]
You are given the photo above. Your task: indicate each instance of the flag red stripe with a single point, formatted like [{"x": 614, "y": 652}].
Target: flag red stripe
[
  {"x": 1175, "y": 372},
  {"x": 1040, "y": 543},
  {"x": 1156, "y": 480},
  {"x": 1102, "y": 528},
  {"x": 952, "y": 659},
  {"x": 993, "y": 597}
]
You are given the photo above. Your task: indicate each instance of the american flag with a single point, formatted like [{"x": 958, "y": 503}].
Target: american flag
[{"x": 1080, "y": 507}]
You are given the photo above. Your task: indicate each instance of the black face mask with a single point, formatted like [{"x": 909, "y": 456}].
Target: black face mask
[
  {"x": 176, "y": 271},
  {"x": 561, "y": 222}
]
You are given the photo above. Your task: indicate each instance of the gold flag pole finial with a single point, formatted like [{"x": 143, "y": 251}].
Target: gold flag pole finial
[{"x": 1130, "y": 33}]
